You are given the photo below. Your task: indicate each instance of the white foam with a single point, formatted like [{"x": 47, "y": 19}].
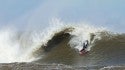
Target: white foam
[
  {"x": 81, "y": 34},
  {"x": 19, "y": 47}
]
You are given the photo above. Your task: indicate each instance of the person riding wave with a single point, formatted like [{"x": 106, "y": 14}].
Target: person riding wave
[{"x": 85, "y": 45}]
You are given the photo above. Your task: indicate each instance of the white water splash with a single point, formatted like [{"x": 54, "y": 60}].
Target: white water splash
[
  {"x": 82, "y": 33},
  {"x": 19, "y": 47}
]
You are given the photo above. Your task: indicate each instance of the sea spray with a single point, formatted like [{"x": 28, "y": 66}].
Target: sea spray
[
  {"x": 19, "y": 46},
  {"x": 82, "y": 33}
]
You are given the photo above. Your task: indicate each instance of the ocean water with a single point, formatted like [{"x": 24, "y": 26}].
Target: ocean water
[{"x": 61, "y": 43}]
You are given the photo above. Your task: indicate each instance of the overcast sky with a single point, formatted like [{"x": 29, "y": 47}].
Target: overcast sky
[{"x": 109, "y": 13}]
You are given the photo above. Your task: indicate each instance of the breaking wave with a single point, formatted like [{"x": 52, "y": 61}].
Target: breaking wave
[{"x": 61, "y": 43}]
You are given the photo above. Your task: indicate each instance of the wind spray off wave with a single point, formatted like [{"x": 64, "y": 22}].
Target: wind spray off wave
[{"x": 29, "y": 46}]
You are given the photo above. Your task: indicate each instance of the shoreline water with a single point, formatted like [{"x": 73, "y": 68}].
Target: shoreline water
[{"x": 37, "y": 66}]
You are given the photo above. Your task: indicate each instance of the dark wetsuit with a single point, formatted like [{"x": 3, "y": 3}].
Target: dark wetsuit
[{"x": 85, "y": 44}]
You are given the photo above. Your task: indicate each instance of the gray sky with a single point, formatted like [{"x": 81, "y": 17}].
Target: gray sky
[{"x": 37, "y": 13}]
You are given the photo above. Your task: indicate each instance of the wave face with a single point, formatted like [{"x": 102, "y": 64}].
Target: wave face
[
  {"x": 61, "y": 43},
  {"x": 106, "y": 49}
]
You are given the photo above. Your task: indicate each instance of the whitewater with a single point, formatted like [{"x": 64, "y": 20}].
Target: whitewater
[
  {"x": 60, "y": 43},
  {"x": 18, "y": 46}
]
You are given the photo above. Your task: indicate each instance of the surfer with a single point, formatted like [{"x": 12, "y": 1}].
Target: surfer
[{"x": 85, "y": 45}]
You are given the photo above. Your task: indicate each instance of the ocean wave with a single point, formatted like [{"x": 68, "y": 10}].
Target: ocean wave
[{"x": 61, "y": 43}]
